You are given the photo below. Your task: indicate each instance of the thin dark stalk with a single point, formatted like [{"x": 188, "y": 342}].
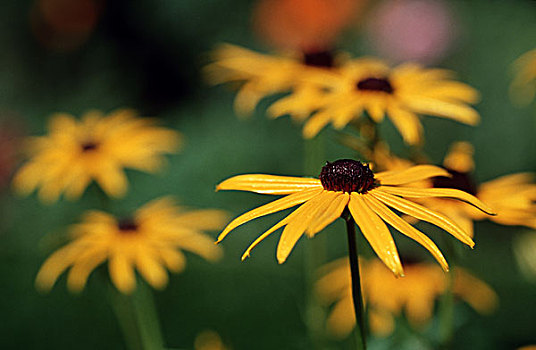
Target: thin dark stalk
[{"x": 356, "y": 285}]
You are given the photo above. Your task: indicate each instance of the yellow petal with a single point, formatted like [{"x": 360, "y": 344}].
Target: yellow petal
[
  {"x": 313, "y": 126},
  {"x": 455, "y": 111},
  {"x": 376, "y": 233},
  {"x": 304, "y": 215},
  {"x": 173, "y": 259},
  {"x": 413, "y": 174},
  {"x": 272, "y": 207},
  {"x": 112, "y": 179},
  {"x": 277, "y": 226},
  {"x": 54, "y": 266},
  {"x": 200, "y": 244},
  {"x": 408, "y": 125},
  {"x": 82, "y": 268},
  {"x": 122, "y": 273},
  {"x": 206, "y": 219},
  {"x": 438, "y": 192},
  {"x": 422, "y": 213},
  {"x": 269, "y": 184},
  {"x": 151, "y": 269},
  {"x": 332, "y": 212},
  {"x": 401, "y": 225}
]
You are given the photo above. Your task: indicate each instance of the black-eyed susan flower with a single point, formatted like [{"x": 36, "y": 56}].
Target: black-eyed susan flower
[
  {"x": 261, "y": 75},
  {"x": 387, "y": 297},
  {"x": 97, "y": 147},
  {"x": 402, "y": 93},
  {"x": 513, "y": 197},
  {"x": 523, "y": 86},
  {"x": 150, "y": 241},
  {"x": 369, "y": 198}
]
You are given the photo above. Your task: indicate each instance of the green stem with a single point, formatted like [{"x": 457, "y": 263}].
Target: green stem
[
  {"x": 356, "y": 285},
  {"x": 446, "y": 311},
  {"x": 138, "y": 319}
]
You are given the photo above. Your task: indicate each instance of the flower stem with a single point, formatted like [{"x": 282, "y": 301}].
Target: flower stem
[
  {"x": 356, "y": 284},
  {"x": 446, "y": 311},
  {"x": 446, "y": 303},
  {"x": 137, "y": 318}
]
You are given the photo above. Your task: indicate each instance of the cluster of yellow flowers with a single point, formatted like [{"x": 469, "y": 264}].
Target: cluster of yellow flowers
[
  {"x": 98, "y": 148},
  {"x": 321, "y": 88}
]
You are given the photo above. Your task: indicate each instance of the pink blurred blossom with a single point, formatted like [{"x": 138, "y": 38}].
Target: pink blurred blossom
[{"x": 412, "y": 30}]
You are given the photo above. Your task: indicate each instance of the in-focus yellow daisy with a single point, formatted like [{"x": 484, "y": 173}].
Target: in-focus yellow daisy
[
  {"x": 369, "y": 198},
  {"x": 150, "y": 241},
  {"x": 523, "y": 87},
  {"x": 387, "y": 297},
  {"x": 403, "y": 93},
  {"x": 513, "y": 197},
  {"x": 98, "y": 148},
  {"x": 261, "y": 75}
]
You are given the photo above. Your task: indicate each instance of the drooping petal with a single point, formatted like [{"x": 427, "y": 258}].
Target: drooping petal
[
  {"x": 304, "y": 215},
  {"x": 332, "y": 212},
  {"x": 269, "y": 184},
  {"x": 150, "y": 268},
  {"x": 82, "y": 268},
  {"x": 274, "y": 228},
  {"x": 172, "y": 258},
  {"x": 54, "y": 266},
  {"x": 122, "y": 273},
  {"x": 422, "y": 213},
  {"x": 413, "y": 174},
  {"x": 407, "y": 123},
  {"x": 401, "y": 225},
  {"x": 376, "y": 233},
  {"x": 272, "y": 207},
  {"x": 313, "y": 126},
  {"x": 438, "y": 192}
]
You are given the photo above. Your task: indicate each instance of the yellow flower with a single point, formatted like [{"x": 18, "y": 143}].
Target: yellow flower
[
  {"x": 150, "y": 241},
  {"x": 386, "y": 297},
  {"x": 368, "y": 196},
  {"x": 403, "y": 93},
  {"x": 262, "y": 75},
  {"x": 95, "y": 148},
  {"x": 513, "y": 197},
  {"x": 523, "y": 87}
]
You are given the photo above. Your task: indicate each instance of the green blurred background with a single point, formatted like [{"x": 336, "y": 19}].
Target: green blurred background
[{"x": 147, "y": 55}]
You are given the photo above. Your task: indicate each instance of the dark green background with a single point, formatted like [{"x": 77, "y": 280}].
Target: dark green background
[{"x": 147, "y": 54}]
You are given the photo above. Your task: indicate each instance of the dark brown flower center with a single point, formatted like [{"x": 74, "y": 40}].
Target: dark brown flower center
[
  {"x": 375, "y": 84},
  {"x": 460, "y": 181},
  {"x": 89, "y": 146},
  {"x": 127, "y": 225},
  {"x": 347, "y": 175},
  {"x": 321, "y": 59}
]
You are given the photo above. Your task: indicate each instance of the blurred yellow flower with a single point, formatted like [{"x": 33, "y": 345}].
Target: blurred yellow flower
[
  {"x": 513, "y": 197},
  {"x": 95, "y": 148},
  {"x": 350, "y": 184},
  {"x": 387, "y": 297},
  {"x": 262, "y": 75},
  {"x": 150, "y": 241},
  {"x": 209, "y": 340},
  {"x": 403, "y": 93},
  {"x": 523, "y": 87}
]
